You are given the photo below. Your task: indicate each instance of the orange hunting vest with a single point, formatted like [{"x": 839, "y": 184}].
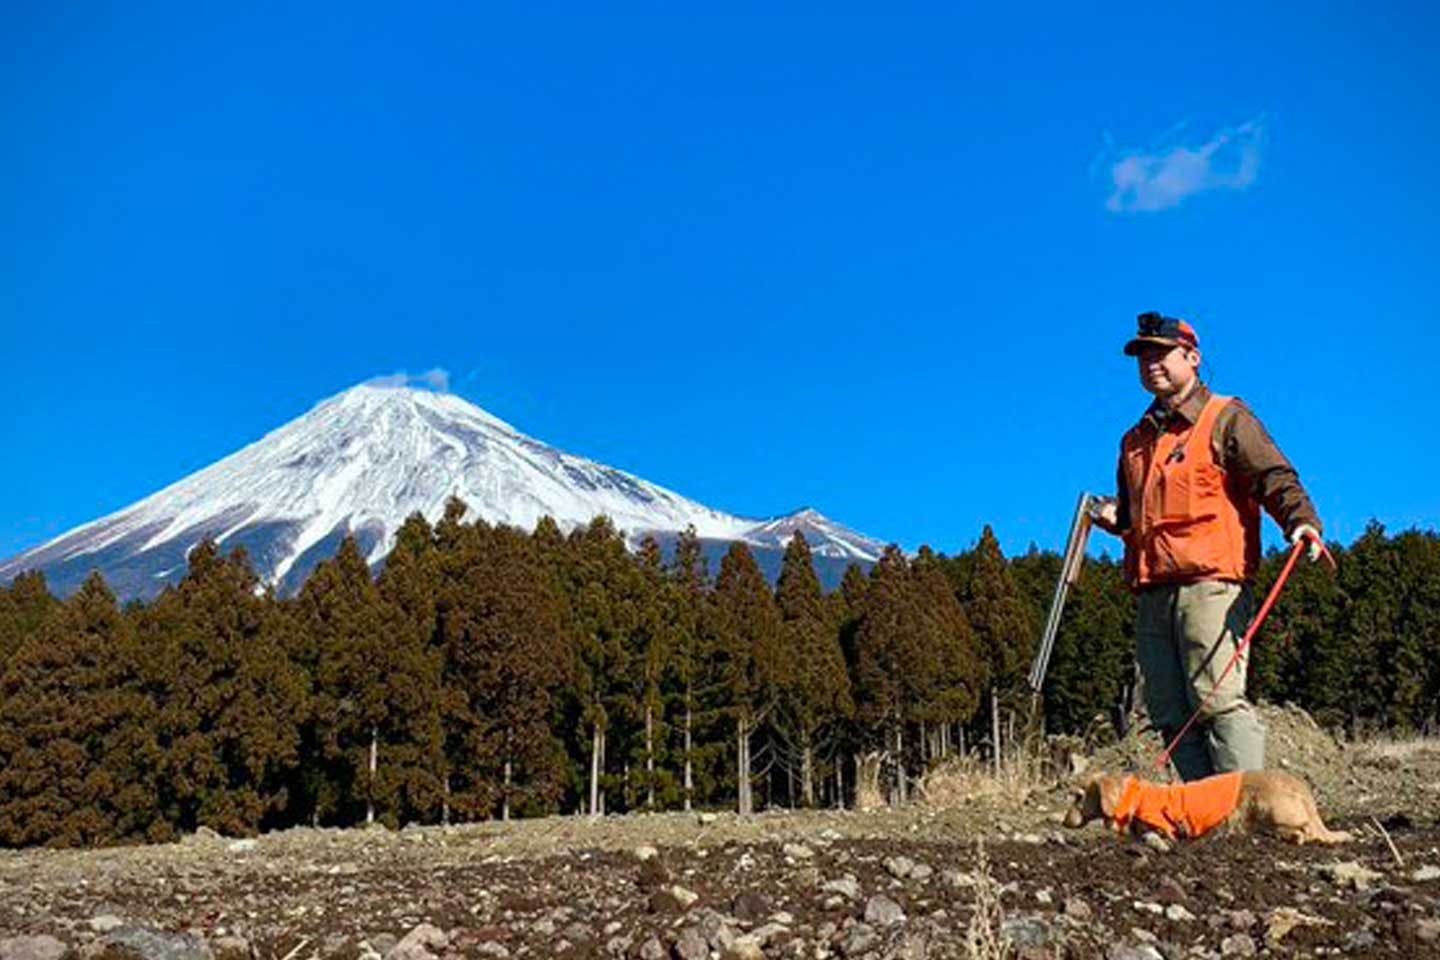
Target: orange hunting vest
[
  {"x": 1185, "y": 525},
  {"x": 1183, "y": 809}
]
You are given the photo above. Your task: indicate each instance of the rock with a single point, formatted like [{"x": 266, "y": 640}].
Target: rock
[
  {"x": 706, "y": 819},
  {"x": 1156, "y": 842},
  {"x": 248, "y": 845},
  {"x": 858, "y": 939},
  {"x": 1077, "y": 909},
  {"x": 1178, "y": 914},
  {"x": 783, "y": 917},
  {"x": 231, "y": 948},
  {"x": 157, "y": 945},
  {"x": 652, "y": 949},
  {"x": 691, "y": 945},
  {"x": 1127, "y": 951},
  {"x": 646, "y": 853},
  {"x": 105, "y": 923},
  {"x": 421, "y": 943},
  {"x": 882, "y": 911},
  {"x": 42, "y": 947},
  {"x": 1284, "y": 919},
  {"x": 797, "y": 851},
  {"x": 1427, "y": 931},
  {"x": 1032, "y": 839},
  {"x": 1349, "y": 873},
  {"x": 1359, "y": 941},
  {"x": 1242, "y": 920},
  {"x": 492, "y": 948},
  {"x": 958, "y": 878},
  {"x": 1425, "y": 873},
  {"x": 1044, "y": 897},
  {"x": 750, "y": 906},
  {"x": 686, "y": 898},
  {"x": 899, "y": 867},
  {"x": 1169, "y": 891},
  {"x": 921, "y": 872},
  {"x": 744, "y": 948},
  {"x": 1149, "y": 906},
  {"x": 1238, "y": 945},
  {"x": 383, "y": 943},
  {"x": 1025, "y": 932},
  {"x": 847, "y": 886}
]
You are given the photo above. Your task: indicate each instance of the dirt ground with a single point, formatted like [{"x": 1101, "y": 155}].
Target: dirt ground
[{"x": 988, "y": 873}]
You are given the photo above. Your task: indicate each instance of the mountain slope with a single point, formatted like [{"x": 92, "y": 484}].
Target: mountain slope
[{"x": 360, "y": 463}]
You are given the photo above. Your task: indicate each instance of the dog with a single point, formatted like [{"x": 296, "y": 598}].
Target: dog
[{"x": 1260, "y": 801}]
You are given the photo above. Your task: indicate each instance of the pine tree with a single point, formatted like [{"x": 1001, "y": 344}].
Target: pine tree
[
  {"x": 819, "y": 693},
  {"x": 952, "y": 673},
  {"x": 686, "y": 595},
  {"x": 340, "y": 612},
  {"x": 225, "y": 694},
  {"x": 74, "y": 742},
  {"x": 23, "y": 608},
  {"x": 656, "y": 649},
  {"x": 415, "y": 769},
  {"x": 1003, "y": 627},
  {"x": 745, "y": 629}
]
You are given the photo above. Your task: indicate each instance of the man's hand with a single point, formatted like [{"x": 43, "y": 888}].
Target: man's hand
[
  {"x": 1308, "y": 533},
  {"x": 1105, "y": 512}
]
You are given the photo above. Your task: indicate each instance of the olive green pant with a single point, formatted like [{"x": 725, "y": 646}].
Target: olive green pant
[{"x": 1185, "y": 637}]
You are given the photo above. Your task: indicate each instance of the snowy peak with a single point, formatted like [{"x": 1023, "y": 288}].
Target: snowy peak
[{"x": 361, "y": 462}]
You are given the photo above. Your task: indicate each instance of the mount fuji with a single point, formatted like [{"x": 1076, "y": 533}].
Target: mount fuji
[{"x": 361, "y": 462}]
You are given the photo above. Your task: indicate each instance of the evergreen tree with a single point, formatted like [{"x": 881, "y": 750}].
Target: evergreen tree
[
  {"x": 656, "y": 647},
  {"x": 341, "y": 616},
  {"x": 687, "y": 598},
  {"x": 23, "y": 608},
  {"x": 819, "y": 693},
  {"x": 74, "y": 743},
  {"x": 413, "y": 775},
  {"x": 226, "y": 698},
  {"x": 952, "y": 673},
  {"x": 752, "y": 666}
]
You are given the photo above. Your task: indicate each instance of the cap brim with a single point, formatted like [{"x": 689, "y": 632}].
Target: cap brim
[{"x": 1133, "y": 347}]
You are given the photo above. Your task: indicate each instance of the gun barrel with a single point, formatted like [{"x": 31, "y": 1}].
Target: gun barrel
[{"x": 1069, "y": 573}]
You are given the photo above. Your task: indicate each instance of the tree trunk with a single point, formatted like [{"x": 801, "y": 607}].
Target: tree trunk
[
  {"x": 995, "y": 729},
  {"x": 595, "y": 770},
  {"x": 899, "y": 762},
  {"x": 649, "y": 756},
  {"x": 689, "y": 769},
  {"x": 807, "y": 771},
  {"x": 746, "y": 803},
  {"x": 505, "y": 797},
  {"x": 839, "y": 782},
  {"x": 370, "y": 788},
  {"x": 445, "y": 802}
]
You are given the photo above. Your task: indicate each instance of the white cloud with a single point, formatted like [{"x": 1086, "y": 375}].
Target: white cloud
[
  {"x": 436, "y": 378},
  {"x": 1161, "y": 178}
]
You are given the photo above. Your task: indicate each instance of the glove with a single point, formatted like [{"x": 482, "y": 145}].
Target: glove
[{"x": 1306, "y": 532}]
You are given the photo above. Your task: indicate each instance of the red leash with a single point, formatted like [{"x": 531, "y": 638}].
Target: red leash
[{"x": 1270, "y": 599}]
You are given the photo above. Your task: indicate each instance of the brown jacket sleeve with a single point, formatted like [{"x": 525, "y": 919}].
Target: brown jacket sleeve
[{"x": 1245, "y": 450}]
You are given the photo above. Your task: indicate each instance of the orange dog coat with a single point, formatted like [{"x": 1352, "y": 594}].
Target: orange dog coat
[{"x": 1182, "y": 809}]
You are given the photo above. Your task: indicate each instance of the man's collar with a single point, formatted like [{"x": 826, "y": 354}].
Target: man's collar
[{"x": 1189, "y": 409}]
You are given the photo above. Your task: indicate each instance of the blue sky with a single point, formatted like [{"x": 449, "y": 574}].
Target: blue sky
[{"x": 878, "y": 265}]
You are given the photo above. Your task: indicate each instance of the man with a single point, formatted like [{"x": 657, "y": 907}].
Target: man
[{"x": 1193, "y": 475}]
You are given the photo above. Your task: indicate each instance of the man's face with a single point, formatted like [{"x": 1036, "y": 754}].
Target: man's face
[{"x": 1167, "y": 370}]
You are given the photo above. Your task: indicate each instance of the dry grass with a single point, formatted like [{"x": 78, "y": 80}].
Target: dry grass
[
  {"x": 985, "y": 935},
  {"x": 1403, "y": 748}
]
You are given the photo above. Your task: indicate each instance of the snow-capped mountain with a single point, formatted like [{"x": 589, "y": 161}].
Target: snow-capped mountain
[{"x": 360, "y": 463}]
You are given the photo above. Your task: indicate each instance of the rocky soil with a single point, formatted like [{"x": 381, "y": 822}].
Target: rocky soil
[{"x": 988, "y": 872}]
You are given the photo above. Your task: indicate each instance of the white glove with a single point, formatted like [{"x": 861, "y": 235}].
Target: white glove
[{"x": 1307, "y": 532}]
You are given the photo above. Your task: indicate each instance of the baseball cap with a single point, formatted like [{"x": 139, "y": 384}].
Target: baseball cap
[{"x": 1155, "y": 327}]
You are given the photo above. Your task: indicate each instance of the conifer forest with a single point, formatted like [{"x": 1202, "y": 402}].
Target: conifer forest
[{"x": 489, "y": 672}]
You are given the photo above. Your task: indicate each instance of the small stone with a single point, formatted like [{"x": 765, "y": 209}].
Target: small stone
[
  {"x": 644, "y": 853},
  {"x": 1043, "y": 897},
  {"x": 1241, "y": 920},
  {"x": 858, "y": 939},
  {"x": 652, "y": 949},
  {"x": 1025, "y": 932},
  {"x": 847, "y": 886},
  {"x": 744, "y": 948},
  {"x": 231, "y": 948},
  {"x": 1149, "y": 906},
  {"x": 248, "y": 845},
  {"x": 797, "y": 851},
  {"x": 492, "y": 948},
  {"x": 750, "y": 906},
  {"x": 1349, "y": 873},
  {"x": 1156, "y": 842},
  {"x": 1033, "y": 839},
  {"x": 42, "y": 947},
  {"x": 1127, "y": 951},
  {"x": 156, "y": 945},
  {"x": 421, "y": 943},
  {"x": 1426, "y": 873},
  {"x": 1178, "y": 914},
  {"x": 882, "y": 911},
  {"x": 921, "y": 872},
  {"x": 899, "y": 867},
  {"x": 105, "y": 923},
  {"x": 1237, "y": 945},
  {"x": 1077, "y": 909},
  {"x": 1427, "y": 931},
  {"x": 1357, "y": 941},
  {"x": 686, "y": 898},
  {"x": 691, "y": 945},
  {"x": 706, "y": 819},
  {"x": 784, "y": 918}
]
